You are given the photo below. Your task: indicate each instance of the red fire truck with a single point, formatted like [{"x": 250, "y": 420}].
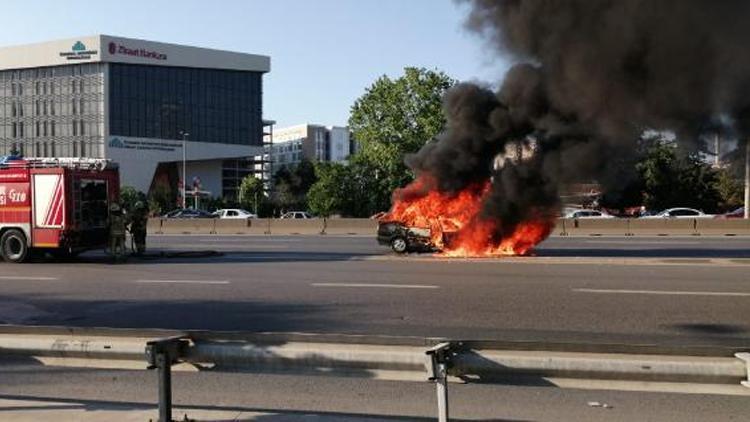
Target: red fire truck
[{"x": 56, "y": 205}]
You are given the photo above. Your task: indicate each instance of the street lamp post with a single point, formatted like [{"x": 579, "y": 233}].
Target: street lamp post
[{"x": 184, "y": 166}]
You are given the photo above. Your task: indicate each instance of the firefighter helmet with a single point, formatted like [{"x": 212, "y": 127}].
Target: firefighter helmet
[
  {"x": 140, "y": 205},
  {"x": 114, "y": 207}
]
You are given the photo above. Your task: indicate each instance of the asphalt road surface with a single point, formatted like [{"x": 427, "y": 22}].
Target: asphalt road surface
[
  {"x": 670, "y": 291},
  {"x": 632, "y": 290}
]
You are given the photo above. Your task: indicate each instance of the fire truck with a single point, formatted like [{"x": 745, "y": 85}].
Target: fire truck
[{"x": 55, "y": 205}]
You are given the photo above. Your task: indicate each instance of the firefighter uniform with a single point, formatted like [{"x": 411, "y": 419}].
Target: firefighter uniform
[
  {"x": 138, "y": 223},
  {"x": 117, "y": 228}
]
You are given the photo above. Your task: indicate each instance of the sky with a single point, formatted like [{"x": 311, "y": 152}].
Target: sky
[{"x": 324, "y": 53}]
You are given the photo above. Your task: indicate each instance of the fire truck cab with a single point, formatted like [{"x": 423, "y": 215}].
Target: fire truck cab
[{"x": 56, "y": 205}]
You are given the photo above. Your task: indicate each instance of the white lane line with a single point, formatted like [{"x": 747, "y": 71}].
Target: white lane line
[
  {"x": 183, "y": 281},
  {"x": 377, "y": 286},
  {"x": 642, "y": 242},
  {"x": 23, "y": 277},
  {"x": 662, "y": 292}
]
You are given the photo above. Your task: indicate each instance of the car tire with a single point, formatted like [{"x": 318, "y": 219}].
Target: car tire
[
  {"x": 399, "y": 245},
  {"x": 13, "y": 246}
]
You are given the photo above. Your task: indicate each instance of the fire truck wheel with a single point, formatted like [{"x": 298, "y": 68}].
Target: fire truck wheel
[
  {"x": 398, "y": 244},
  {"x": 13, "y": 246}
]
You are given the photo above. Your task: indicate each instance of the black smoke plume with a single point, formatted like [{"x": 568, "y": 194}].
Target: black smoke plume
[{"x": 590, "y": 77}]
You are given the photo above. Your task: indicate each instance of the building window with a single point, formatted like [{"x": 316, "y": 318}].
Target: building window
[
  {"x": 44, "y": 88},
  {"x": 83, "y": 149},
  {"x": 14, "y": 130},
  {"x": 45, "y": 107},
  {"x": 38, "y": 133},
  {"x": 36, "y": 88},
  {"x": 75, "y": 149},
  {"x": 38, "y": 149},
  {"x": 52, "y": 128},
  {"x": 14, "y": 110},
  {"x": 20, "y": 130},
  {"x": 38, "y": 108},
  {"x": 74, "y": 106},
  {"x": 80, "y": 109},
  {"x": 45, "y": 128},
  {"x": 45, "y": 150},
  {"x": 75, "y": 127},
  {"x": 82, "y": 126},
  {"x": 53, "y": 149},
  {"x": 52, "y": 107}
]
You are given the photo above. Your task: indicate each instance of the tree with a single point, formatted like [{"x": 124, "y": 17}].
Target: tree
[
  {"x": 334, "y": 190},
  {"x": 161, "y": 199},
  {"x": 671, "y": 181},
  {"x": 251, "y": 192},
  {"x": 291, "y": 185},
  {"x": 396, "y": 117},
  {"x": 731, "y": 190},
  {"x": 129, "y": 196}
]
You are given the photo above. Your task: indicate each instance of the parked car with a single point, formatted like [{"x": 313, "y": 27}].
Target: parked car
[
  {"x": 233, "y": 214},
  {"x": 188, "y": 213},
  {"x": 403, "y": 239},
  {"x": 297, "y": 214},
  {"x": 680, "y": 213},
  {"x": 738, "y": 213},
  {"x": 582, "y": 213}
]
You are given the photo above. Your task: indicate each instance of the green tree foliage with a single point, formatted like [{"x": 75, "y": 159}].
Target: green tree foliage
[
  {"x": 396, "y": 117},
  {"x": 251, "y": 193},
  {"x": 292, "y": 184},
  {"x": 334, "y": 190},
  {"x": 731, "y": 190},
  {"x": 129, "y": 196},
  {"x": 161, "y": 199},
  {"x": 671, "y": 180}
]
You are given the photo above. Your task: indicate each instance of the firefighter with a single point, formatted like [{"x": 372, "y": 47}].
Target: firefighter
[
  {"x": 116, "y": 232},
  {"x": 138, "y": 222}
]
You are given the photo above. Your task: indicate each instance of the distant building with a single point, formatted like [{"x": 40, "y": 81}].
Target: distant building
[
  {"x": 287, "y": 147},
  {"x": 138, "y": 103}
]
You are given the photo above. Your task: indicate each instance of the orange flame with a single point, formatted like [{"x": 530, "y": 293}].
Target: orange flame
[{"x": 456, "y": 226}]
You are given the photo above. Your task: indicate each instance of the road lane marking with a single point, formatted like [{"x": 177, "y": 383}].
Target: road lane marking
[
  {"x": 183, "y": 281},
  {"x": 662, "y": 292},
  {"x": 22, "y": 277},
  {"x": 375, "y": 285}
]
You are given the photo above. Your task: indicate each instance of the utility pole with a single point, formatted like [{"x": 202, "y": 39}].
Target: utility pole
[
  {"x": 747, "y": 179},
  {"x": 184, "y": 167}
]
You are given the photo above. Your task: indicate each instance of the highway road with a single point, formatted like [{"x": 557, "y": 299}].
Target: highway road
[
  {"x": 685, "y": 290},
  {"x": 670, "y": 291}
]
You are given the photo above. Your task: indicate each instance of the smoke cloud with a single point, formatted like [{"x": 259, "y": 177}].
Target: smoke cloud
[{"x": 591, "y": 77}]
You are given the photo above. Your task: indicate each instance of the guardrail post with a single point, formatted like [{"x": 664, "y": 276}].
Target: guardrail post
[
  {"x": 438, "y": 360},
  {"x": 745, "y": 357},
  {"x": 162, "y": 354}
]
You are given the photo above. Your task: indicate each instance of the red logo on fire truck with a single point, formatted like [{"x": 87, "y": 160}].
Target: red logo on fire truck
[{"x": 12, "y": 196}]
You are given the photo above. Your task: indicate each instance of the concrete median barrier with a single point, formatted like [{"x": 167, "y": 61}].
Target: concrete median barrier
[
  {"x": 297, "y": 226},
  {"x": 154, "y": 226},
  {"x": 664, "y": 227},
  {"x": 596, "y": 227},
  {"x": 724, "y": 227},
  {"x": 351, "y": 226},
  {"x": 188, "y": 226},
  {"x": 252, "y": 226}
]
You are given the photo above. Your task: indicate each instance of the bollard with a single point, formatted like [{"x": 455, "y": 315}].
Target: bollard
[{"x": 161, "y": 355}]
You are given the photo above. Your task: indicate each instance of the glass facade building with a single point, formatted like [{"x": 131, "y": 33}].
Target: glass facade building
[{"x": 212, "y": 105}]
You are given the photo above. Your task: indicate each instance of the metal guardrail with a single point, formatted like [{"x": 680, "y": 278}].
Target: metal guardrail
[
  {"x": 362, "y": 226},
  {"x": 367, "y": 356}
]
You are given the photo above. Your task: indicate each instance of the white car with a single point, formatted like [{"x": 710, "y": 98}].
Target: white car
[
  {"x": 680, "y": 213},
  {"x": 297, "y": 214},
  {"x": 234, "y": 214},
  {"x": 581, "y": 213}
]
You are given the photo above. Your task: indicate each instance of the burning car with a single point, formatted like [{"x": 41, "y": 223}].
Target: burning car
[{"x": 403, "y": 239}]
